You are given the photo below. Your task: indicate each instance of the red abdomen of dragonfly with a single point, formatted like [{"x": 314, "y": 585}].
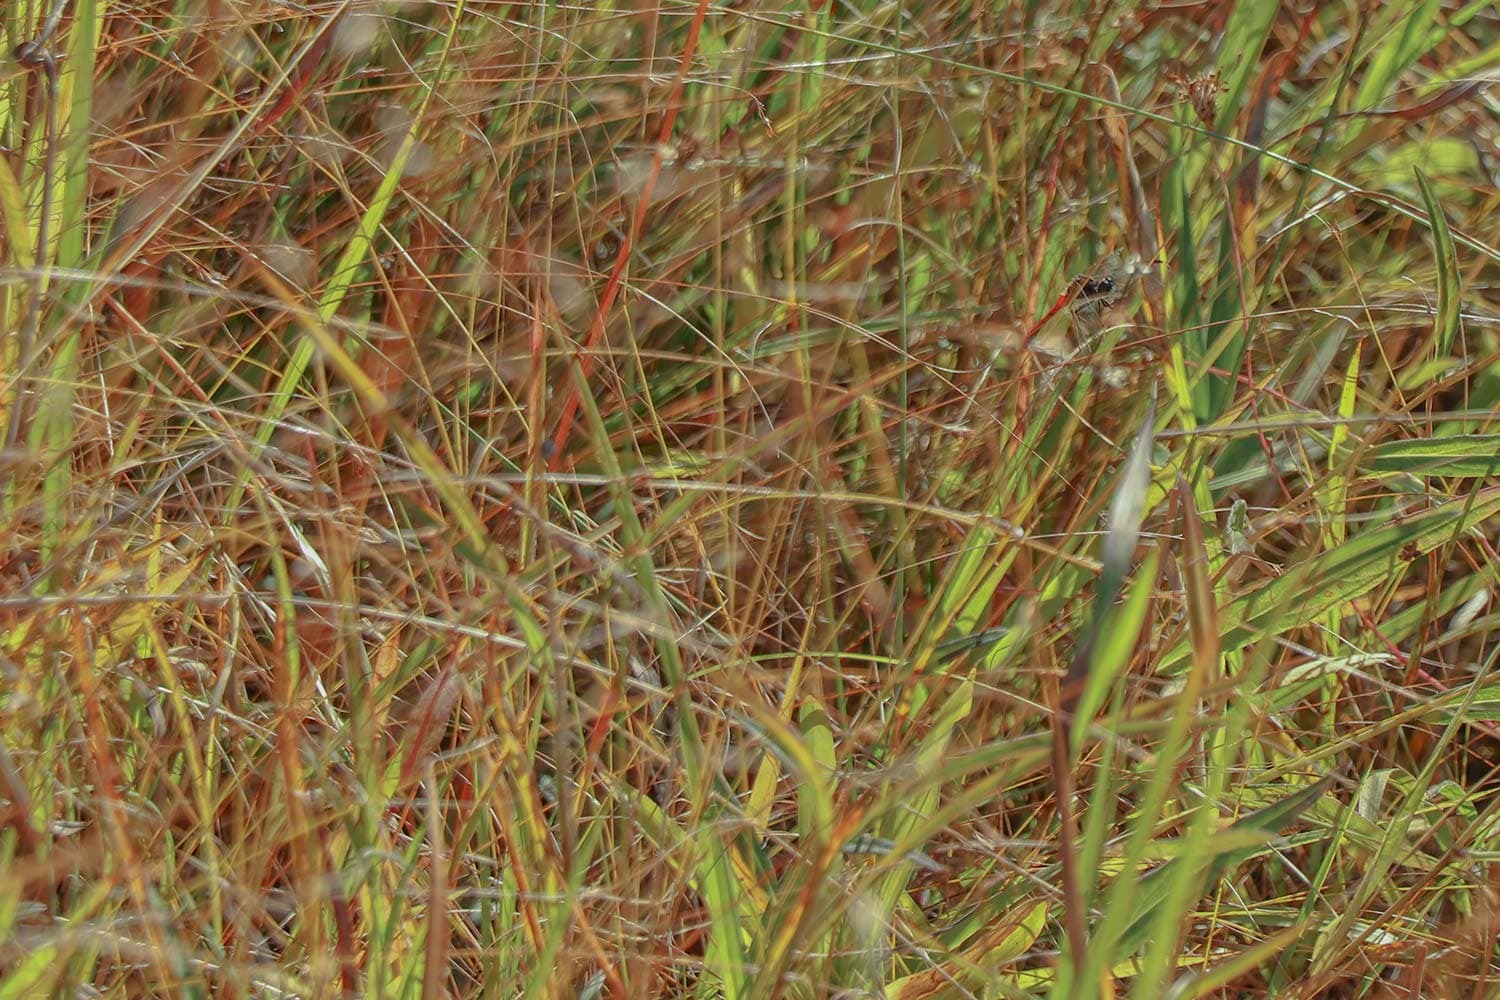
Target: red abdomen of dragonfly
[{"x": 1087, "y": 296}]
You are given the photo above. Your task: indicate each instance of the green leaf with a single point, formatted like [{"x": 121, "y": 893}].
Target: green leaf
[
  {"x": 1446, "y": 326},
  {"x": 1001, "y": 943},
  {"x": 1406, "y": 33},
  {"x": 1459, "y": 456},
  {"x": 1240, "y": 841},
  {"x": 1244, "y": 35},
  {"x": 1342, "y": 574},
  {"x": 1090, "y": 674},
  {"x": 1484, "y": 707},
  {"x": 930, "y": 752},
  {"x": 13, "y": 218},
  {"x": 1117, "y": 636}
]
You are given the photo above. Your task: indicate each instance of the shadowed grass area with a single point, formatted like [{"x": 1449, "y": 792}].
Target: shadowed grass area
[{"x": 828, "y": 499}]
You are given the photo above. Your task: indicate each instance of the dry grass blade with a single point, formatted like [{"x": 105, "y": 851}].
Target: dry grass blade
[{"x": 692, "y": 500}]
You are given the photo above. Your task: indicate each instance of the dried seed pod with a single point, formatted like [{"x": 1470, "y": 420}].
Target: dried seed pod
[{"x": 1201, "y": 91}]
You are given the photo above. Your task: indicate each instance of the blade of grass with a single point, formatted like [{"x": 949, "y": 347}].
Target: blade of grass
[
  {"x": 1446, "y": 324},
  {"x": 726, "y": 938},
  {"x": 1343, "y": 574},
  {"x": 356, "y": 250}
]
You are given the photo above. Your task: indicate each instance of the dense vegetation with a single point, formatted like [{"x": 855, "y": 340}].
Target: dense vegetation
[{"x": 817, "y": 499}]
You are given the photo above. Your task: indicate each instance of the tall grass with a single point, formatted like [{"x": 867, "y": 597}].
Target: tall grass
[{"x": 578, "y": 500}]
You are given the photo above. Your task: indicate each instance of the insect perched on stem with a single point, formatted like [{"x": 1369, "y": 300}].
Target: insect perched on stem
[
  {"x": 1091, "y": 299},
  {"x": 1091, "y": 295}
]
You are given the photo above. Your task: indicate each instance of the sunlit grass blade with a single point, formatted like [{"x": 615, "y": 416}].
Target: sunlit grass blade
[
  {"x": 1446, "y": 325},
  {"x": 1347, "y": 572},
  {"x": 329, "y": 670},
  {"x": 1460, "y": 456}
]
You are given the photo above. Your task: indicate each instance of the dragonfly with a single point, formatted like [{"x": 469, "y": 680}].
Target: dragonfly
[{"x": 1091, "y": 295}]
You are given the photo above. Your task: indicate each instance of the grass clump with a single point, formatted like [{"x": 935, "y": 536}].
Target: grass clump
[{"x": 848, "y": 499}]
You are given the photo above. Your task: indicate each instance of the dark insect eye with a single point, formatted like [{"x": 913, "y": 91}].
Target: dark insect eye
[{"x": 1094, "y": 287}]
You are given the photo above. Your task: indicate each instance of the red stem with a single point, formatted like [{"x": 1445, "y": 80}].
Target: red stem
[{"x": 616, "y": 276}]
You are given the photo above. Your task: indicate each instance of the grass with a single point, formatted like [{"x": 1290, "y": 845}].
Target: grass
[{"x": 575, "y": 500}]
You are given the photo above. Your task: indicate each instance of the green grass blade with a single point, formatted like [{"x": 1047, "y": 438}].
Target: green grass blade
[
  {"x": 1349, "y": 571},
  {"x": 1447, "y": 324},
  {"x": 1462, "y": 456}
]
